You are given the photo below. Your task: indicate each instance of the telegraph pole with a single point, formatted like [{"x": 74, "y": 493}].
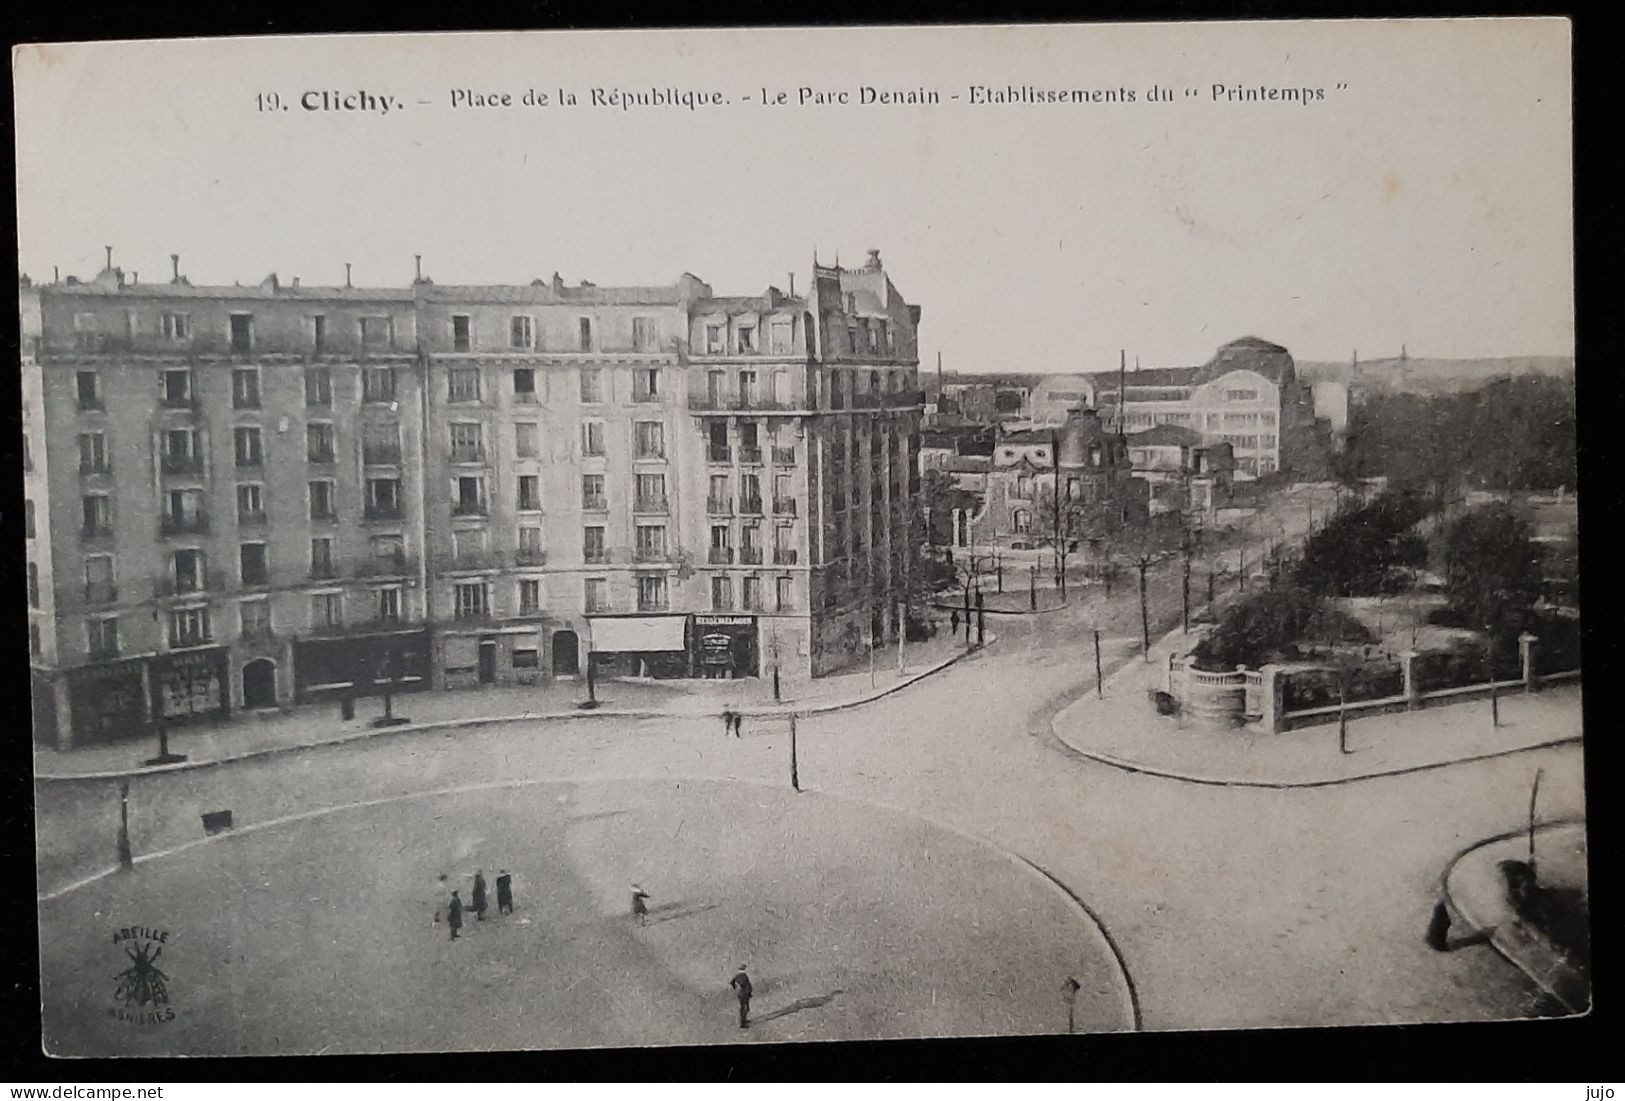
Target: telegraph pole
[
  {"x": 795, "y": 778},
  {"x": 126, "y": 860},
  {"x": 1100, "y": 690}
]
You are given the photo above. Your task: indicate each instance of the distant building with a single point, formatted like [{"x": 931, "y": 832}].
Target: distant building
[
  {"x": 1054, "y": 398},
  {"x": 1184, "y": 473},
  {"x": 1248, "y": 395}
]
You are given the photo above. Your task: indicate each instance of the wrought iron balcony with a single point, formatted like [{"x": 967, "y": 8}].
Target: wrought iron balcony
[
  {"x": 320, "y": 456},
  {"x": 784, "y": 456},
  {"x": 470, "y": 508},
  {"x": 656, "y": 503},
  {"x": 750, "y": 505},
  {"x": 100, "y": 592},
  {"x": 719, "y": 506},
  {"x": 784, "y": 506},
  {"x": 187, "y": 464},
  {"x": 472, "y": 560},
  {"x": 201, "y": 581},
  {"x": 324, "y": 571},
  {"x": 750, "y": 556},
  {"x": 530, "y": 556},
  {"x": 720, "y": 453},
  {"x": 385, "y": 565},
  {"x": 178, "y": 401},
  {"x": 250, "y": 517},
  {"x": 380, "y": 456},
  {"x": 720, "y": 556},
  {"x": 183, "y": 523},
  {"x": 751, "y": 455},
  {"x": 93, "y": 531},
  {"x": 384, "y": 511},
  {"x": 785, "y": 556},
  {"x": 468, "y": 454},
  {"x": 650, "y": 554},
  {"x": 594, "y": 502}
]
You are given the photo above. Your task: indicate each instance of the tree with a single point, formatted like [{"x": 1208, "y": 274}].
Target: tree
[
  {"x": 1139, "y": 547},
  {"x": 1060, "y": 524},
  {"x": 1269, "y": 625},
  {"x": 1492, "y": 570}
]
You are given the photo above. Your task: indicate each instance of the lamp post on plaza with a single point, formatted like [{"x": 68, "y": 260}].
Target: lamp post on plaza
[{"x": 125, "y": 859}]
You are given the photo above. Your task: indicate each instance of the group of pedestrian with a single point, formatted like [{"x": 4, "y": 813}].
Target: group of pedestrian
[
  {"x": 732, "y": 723},
  {"x": 478, "y": 901}
]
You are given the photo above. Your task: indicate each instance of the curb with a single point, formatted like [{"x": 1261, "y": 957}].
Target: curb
[
  {"x": 1229, "y": 782},
  {"x": 1128, "y": 992},
  {"x": 1494, "y": 934},
  {"x": 782, "y": 711}
]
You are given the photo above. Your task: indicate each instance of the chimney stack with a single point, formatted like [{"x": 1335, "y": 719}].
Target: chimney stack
[
  {"x": 792, "y": 284},
  {"x": 175, "y": 267},
  {"x": 56, "y": 274},
  {"x": 873, "y": 263},
  {"x": 419, "y": 258},
  {"x": 109, "y": 249},
  {"x": 347, "y": 273}
]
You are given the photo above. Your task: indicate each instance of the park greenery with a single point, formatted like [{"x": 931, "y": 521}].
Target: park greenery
[{"x": 1492, "y": 582}]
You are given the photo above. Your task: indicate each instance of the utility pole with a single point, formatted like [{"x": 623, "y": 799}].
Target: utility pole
[
  {"x": 981, "y": 620},
  {"x": 1143, "y": 563},
  {"x": 1534, "y": 791},
  {"x": 795, "y": 778},
  {"x": 1342, "y": 715},
  {"x": 998, "y": 566},
  {"x": 591, "y": 701},
  {"x": 773, "y": 643},
  {"x": 1100, "y": 690},
  {"x": 1032, "y": 588},
  {"x": 1185, "y": 585},
  {"x": 126, "y": 860}
]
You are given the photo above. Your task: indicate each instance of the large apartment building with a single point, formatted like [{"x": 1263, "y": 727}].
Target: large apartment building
[{"x": 257, "y": 496}]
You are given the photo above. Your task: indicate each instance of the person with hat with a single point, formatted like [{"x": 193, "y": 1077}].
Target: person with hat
[
  {"x": 504, "y": 892},
  {"x": 640, "y": 909},
  {"x": 454, "y": 915},
  {"x": 478, "y": 901},
  {"x": 742, "y": 990}
]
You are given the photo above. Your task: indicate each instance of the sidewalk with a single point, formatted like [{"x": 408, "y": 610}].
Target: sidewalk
[
  {"x": 255, "y": 735},
  {"x": 1476, "y": 893},
  {"x": 1124, "y": 730}
]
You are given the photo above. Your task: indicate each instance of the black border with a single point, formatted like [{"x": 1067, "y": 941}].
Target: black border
[{"x": 1548, "y": 1050}]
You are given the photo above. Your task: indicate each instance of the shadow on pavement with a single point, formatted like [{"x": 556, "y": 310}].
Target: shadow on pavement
[
  {"x": 797, "y": 1006},
  {"x": 671, "y": 911}
]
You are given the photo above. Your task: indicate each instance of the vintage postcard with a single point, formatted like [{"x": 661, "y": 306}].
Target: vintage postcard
[{"x": 618, "y": 539}]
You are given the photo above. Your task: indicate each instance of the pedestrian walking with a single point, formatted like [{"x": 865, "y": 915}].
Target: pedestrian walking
[
  {"x": 640, "y": 909},
  {"x": 727, "y": 721},
  {"x": 742, "y": 990},
  {"x": 504, "y": 892},
  {"x": 739, "y": 724},
  {"x": 478, "y": 900},
  {"x": 953, "y": 621},
  {"x": 454, "y": 915}
]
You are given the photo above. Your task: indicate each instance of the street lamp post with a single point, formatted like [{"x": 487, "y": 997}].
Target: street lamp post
[
  {"x": 1032, "y": 588},
  {"x": 795, "y": 777},
  {"x": 981, "y": 620},
  {"x": 126, "y": 860},
  {"x": 1100, "y": 689}
]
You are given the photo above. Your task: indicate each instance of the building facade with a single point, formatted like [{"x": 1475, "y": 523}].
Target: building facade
[
  {"x": 247, "y": 497},
  {"x": 1248, "y": 395}
]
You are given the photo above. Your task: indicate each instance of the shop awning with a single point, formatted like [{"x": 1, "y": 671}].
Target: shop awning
[{"x": 637, "y": 634}]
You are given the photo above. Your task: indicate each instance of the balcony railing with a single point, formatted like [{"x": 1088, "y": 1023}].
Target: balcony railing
[
  {"x": 720, "y": 556},
  {"x": 100, "y": 592},
  {"x": 720, "y": 453},
  {"x": 472, "y": 560},
  {"x": 750, "y": 556},
  {"x": 784, "y": 506},
  {"x": 650, "y": 554},
  {"x": 251, "y": 517},
  {"x": 385, "y": 565},
  {"x": 200, "y": 582},
  {"x": 326, "y": 514},
  {"x": 320, "y": 456},
  {"x": 751, "y": 505},
  {"x": 530, "y": 556},
  {"x": 594, "y": 502},
  {"x": 249, "y": 462},
  {"x": 653, "y": 502},
  {"x": 734, "y": 403},
  {"x": 470, "y": 508},
  {"x": 785, "y": 556},
  {"x": 96, "y": 531},
  {"x": 92, "y": 405},
  {"x": 644, "y": 396},
  {"x": 184, "y": 464},
  {"x": 719, "y": 506},
  {"x": 654, "y": 604},
  {"x": 784, "y": 456},
  {"x": 323, "y": 571},
  {"x": 183, "y": 523},
  {"x": 381, "y": 456},
  {"x": 178, "y": 401},
  {"x": 96, "y": 468},
  {"x": 256, "y": 578},
  {"x": 382, "y": 511},
  {"x": 529, "y": 504},
  {"x": 468, "y": 454},
  {"x": 750, "y": 455}
]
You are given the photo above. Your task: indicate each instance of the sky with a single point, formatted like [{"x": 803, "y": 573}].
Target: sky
[{"x": 1424, "y": 200}]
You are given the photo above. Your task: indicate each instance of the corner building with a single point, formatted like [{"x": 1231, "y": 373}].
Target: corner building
[{"x": 263, "y": 496}]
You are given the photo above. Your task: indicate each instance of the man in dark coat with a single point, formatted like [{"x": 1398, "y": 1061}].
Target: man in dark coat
[
  {"x": 741, "y": 988},
  {"x": 739, "y": 724},
  {"x": 504, "y": 892},
  {"x": 953, "y": 621},
  {"x": 477, "y": 903},
  {"x": 640, "y": 909},
  {"x": 727, "y": 722},
  {"x": 454, "y": 915}
]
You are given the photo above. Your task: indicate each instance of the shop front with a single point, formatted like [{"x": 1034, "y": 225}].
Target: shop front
[
  {"x": 191, "y": 685},
  {"x": 365, "y": 665},
  {"x": 107, "y": 701},
  {"x": 723, "y": 647},
  {"x": 640, "y": 646}
]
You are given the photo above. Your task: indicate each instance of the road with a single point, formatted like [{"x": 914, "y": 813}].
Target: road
[{"x": 1232, "y": 908}]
